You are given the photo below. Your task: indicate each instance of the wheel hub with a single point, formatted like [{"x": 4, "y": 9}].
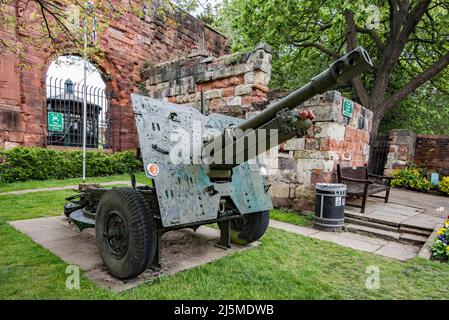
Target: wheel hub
[{"x": 116, "y": 234}]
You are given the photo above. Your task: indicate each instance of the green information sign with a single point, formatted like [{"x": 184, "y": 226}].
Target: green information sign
[
  {"x": 348, "y": 107},
  {"x": 54, "y": 121}
]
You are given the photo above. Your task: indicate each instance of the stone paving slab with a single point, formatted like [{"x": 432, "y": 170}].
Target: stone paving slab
[
  {"x": 395, "y": 214},
  {"x": 426, "y": 201},
  {"x": 304, "y": 231},
  {"x": 391, "y": 249},
  {"x": 398, "y": 251},
  {"x": 180, "y": 250},
  {"x": 346, "y": 242}
]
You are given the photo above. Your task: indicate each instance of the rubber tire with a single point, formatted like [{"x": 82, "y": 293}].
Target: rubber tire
[
  {"x": 254, "y": 227},
  {"x": 142, "y": 232}
]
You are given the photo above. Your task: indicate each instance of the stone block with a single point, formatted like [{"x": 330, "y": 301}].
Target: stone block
[
  {"x": 228, "y": 92},
  {"x": 304, "y": 177},
  {"x": 10, "y": 145},
  {"x": 295, "y": 144},
  {"x": 311, "y": 164},
  {"x": 220, "y": 84},
  {"x": 311, "y": 154},
  {"x": 331, "y": 130},
  {"x": 304, "y": 198},
  {"x": 235, "y": 110},
  {"x": 280, "y": 190},
  {"x": 312, "y": 144},
  {"x": 256, "y": 77},
  {"x": 243, "y": 89},
  {"x": 234, "y": 101},
  {"x": 213, "y": 94},
  {"x": 287, "y": 163},
  {"x": 325, "y": 113},
  {"x": 331, "y": 145},
  {"x": 403, "y": 149}
]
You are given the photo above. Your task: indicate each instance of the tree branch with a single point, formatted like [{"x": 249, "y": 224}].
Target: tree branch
[
  {"x": 374, "y": 36},
  {"x": 351, "y": 42},
  {"x": 419, "y": 80},
  {"x": 320, "y": 47}
]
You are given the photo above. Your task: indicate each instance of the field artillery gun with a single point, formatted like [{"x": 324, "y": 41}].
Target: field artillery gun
[{"x": 200, "y": 173}]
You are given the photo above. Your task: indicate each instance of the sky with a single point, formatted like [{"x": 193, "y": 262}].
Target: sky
[{"x": 72, "y": 67}]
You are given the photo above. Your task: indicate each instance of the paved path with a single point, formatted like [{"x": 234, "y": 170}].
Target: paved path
[
  {"x": 391, "y": 249},
  {"x": 428, "y": 202},
  {"x": 125, "y": 182}
]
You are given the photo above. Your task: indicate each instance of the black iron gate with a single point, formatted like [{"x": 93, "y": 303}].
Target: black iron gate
[
  {"x": 378, "y": 153},
  {"x": 64, "y": 101}
]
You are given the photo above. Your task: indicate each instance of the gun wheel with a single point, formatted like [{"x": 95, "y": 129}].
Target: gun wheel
[
  {"x": 251, "y": 227},
  {"x": 126, "y": 232}
]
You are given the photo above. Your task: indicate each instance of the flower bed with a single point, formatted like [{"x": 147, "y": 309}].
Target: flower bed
[
  {"x": 440, "y": 248},
  {"x": 410, "y": 178}
]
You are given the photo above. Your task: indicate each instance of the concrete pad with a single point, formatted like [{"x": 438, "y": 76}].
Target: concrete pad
[
  {"x": 292, "y": 228},
  {"x": 180, "y": 250}
]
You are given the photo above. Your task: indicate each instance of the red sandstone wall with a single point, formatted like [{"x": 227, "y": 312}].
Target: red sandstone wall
[
  {"x": 432, "y": 152},
  {"x": 127, "y": 43}
]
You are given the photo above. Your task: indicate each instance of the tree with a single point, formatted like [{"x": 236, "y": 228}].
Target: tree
[{"x": 407, "y": 39}]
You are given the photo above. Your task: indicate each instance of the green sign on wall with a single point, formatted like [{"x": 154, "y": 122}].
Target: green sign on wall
[
  {"x": 54, "y": 121},
  {"x": 348, "y": 107}
]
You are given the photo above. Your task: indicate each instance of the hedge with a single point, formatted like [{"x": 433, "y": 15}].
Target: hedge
[{"x": 21, "y": 164}]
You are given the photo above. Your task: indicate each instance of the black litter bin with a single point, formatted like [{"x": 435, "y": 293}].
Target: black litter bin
[{"x": 330, "y": 206}]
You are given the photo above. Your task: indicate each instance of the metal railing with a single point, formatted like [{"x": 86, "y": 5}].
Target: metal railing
[
  {"x": 64, "y": 102},
  {"x": 378, "y": 153}
]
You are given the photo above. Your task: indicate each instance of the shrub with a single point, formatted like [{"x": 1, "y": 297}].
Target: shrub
[
  {"x": 20, "y": 164},
  {"x": 444, "y": 185},
  {"x": 440, "y": 248},
  {"x": 410, "y": 178}
]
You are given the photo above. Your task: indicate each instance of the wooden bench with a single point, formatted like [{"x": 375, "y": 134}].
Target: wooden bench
[{"x": 360, "y": 183}]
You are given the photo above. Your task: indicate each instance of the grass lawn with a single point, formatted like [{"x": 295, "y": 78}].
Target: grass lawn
[
  {"x": 284, "y": 266},
  {"x": 292, "y": 217},
  {"x": 35, "y": 184}
]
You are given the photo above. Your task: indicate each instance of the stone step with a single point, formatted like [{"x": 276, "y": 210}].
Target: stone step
[
  {"x": 374, "y": 232},
  {"x": 370, "y": 224},
  {"x": 387, "y": 222},
  {"x": 420, "y": 232},
  {"x": 380, "y": 220},
  {"x": 412, "y": 238},
  {"x": 386, "y": 234}
]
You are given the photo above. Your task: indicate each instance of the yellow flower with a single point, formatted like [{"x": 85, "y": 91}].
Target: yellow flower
[{"x": 441, "y": 231}]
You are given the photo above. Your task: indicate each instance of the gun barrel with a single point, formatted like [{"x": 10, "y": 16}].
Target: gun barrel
[
  {"x": 339, "y": 72},
  {"x": 280, "y": 117}
]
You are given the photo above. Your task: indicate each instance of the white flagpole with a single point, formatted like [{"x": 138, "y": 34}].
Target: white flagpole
[{"x": 85, "y": 102}]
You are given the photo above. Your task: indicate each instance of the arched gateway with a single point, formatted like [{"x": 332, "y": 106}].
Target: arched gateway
[{"x": 127, "y": 43}]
